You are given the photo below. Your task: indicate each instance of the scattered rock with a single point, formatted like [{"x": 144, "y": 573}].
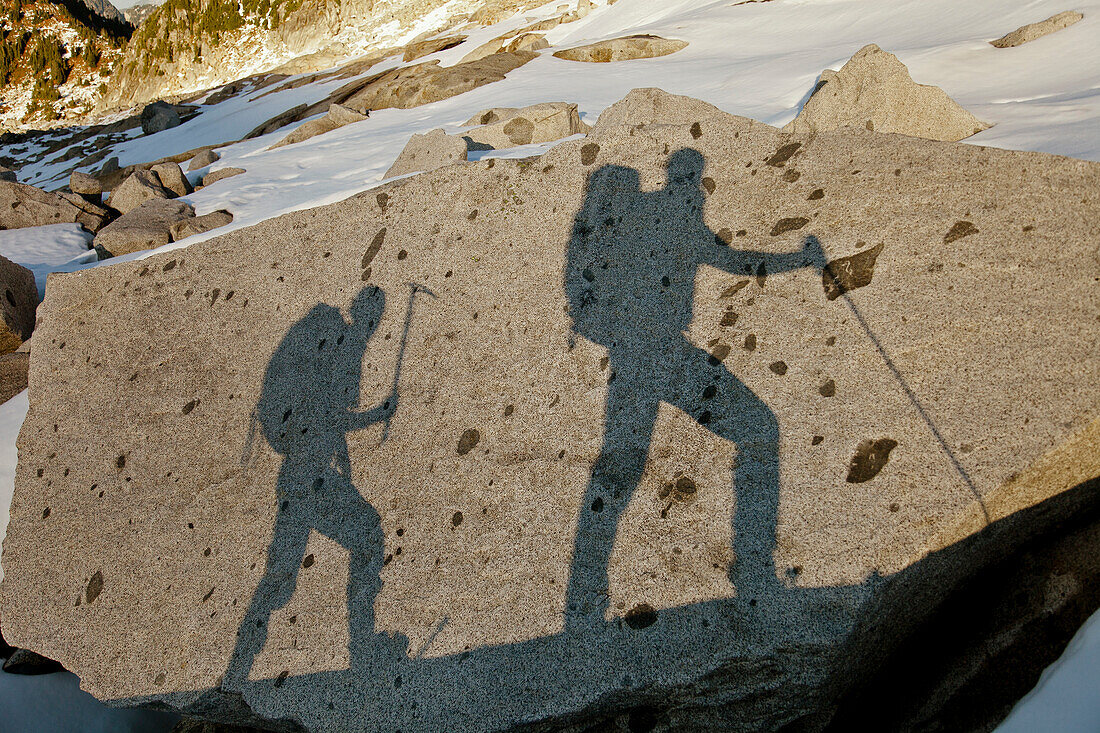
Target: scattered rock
[
  {"x": 577, "y": 331},
  {"x": 18, "y": 301},
  {"x": 219, "y": 174},
  {"x": 337, "y": 116},
  {"x": 144, "y": 227},
  {"x": 626, "y": 48},
  {"x": 427, "y": 152},
  {"x": 203, "y": 159},
  {"x": 141, "y": 186},
  {"x": 85, "y": 185},
  {"x": 172, "y": 178},
  {"x": 434, "y": 45},
  {"x": 199, "y": 224},
  {"x": 27, "y": 206},
  {"x": 159, "y": 116},
  {"x": 535, "y": 124},
  {"x": 13, "y": 373},
  {"x": 874, "y": 91},
  {"x": 1031, "y": 31}
]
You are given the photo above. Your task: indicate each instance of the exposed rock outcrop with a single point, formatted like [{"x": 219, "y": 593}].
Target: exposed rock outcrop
[
  {"x": 140, "y": 186},
  {"x": 27, "y": 206},
  {"x": 171, "y": 177},
  {"x": 203, "y": 159},
  {"x": 433, "y": 149},
  {"x": 85, "y": 185},
  {"x": 337, "y": 116},
  {"x": 537, "y": 123},
  {"x": 221, "y": 174},
  {"x": 200, "y": 224},
  {"x": 676, "y": 443},
  {"x": 18, "y": 301},
  {"x": 651, "y": 106},
  {"x": 418, "y": 49},
  {"x": 143, "y": 227},
  {"x": 159, "y": 116},
  {"x": 873, "y": 90},
  {"x": 1031, "y": 31},
  {"x": 13, "y": 374},
  {"x": 626, "y": 48}
]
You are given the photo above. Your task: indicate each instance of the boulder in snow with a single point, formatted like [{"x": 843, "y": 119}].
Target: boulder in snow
[
  {"x": 140, "y": 186},
  {"x": 203, "y": 159},
  {"x": 159, "y": 116},
  {"x": 626, "y": 48},
  {"x": 171, "y": 177},
  {"x": 537, "y": 123},
  {"x": 651, "y": 106},
  {"x": 18, "y": 301},
  {"x": 873, "y": 90},
  {"x": 220, "y": 174},
  {"x": 27, "y": 206},
  {"x": 337, "y": 116},
  {"x": 417, "y": 49},
  {"x": 198, "y": 224},
  {"x": 7, "y": 174},
  {"x": 1031, "y": 31},
  {"x": 13, "y": 375},
  {"x": 144, "y": 227},
  {"x": 85, "y": 184},
  {"x": 427, "y": 152}
]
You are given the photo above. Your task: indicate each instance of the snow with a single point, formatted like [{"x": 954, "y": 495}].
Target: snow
[{"x": 758, "y": 60}]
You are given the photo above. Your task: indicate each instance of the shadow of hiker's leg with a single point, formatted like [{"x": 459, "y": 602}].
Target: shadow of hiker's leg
[
  {"x": 630, "y": 414},
  {"x": 284, "y": 556},
  {"x": 725, "y": 406}
]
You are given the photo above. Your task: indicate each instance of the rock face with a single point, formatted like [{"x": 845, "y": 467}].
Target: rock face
[
  {"x": 651, "y": 106},
  {"x": 18, "y": 300},
  {"x": 141, "y": 186},
  {"x": 637, "y": 460},
  {"x": 535, "y": 124},
  {"x": 13, "y": 374},
  {"x": 427, "y": 152},
  {"x": 199, "y": 224},
  {"x": 434, "y": 45},
  {"x": 171, "y": 177},
  {"x": 1031, "y": 31},
  {"x": 626, "y": 48},
  {"x": 84, "y": 184},
  {"x": 144, "y": 227},
  {"x": 159, "y": 116},
  {"x": 221, "y": 173},
  {"x": 27, "y": 206},
  {"x": 874, "y": 91},
  {"x": 337, "y": 116}
]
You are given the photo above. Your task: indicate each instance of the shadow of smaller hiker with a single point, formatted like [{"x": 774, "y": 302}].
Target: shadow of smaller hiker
[{"x": 309, "y": 402}]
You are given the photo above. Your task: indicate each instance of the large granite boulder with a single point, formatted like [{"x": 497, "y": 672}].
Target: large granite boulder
[
  {"x": 191, "y": 226},
  {"x": 434, "y": 149},
  {"x": 686, "y": 426},
  {"x": 1031, "y": 31},
  {"x": 159, "y": 116},
  {"x": 337, "y": 116},
  {"x": 537, "y": 123},
  {"x": 145, "y": 227},
  {"x": 652, "y": 106},
  {"x": 140, "y": 186},
  {"x": 27, "y": 206},
  {"x": 627, "y": 48},
  {"x": 221, "y": 174},
  {"x": 13, "y": 376},
  {"x": 172, "y": 178},
  {"x": 873, "y": 90},
  {"x": 417, "y": 49},
  {"x": 18, "y": 301},
  {"x": 203, "y": 159}
]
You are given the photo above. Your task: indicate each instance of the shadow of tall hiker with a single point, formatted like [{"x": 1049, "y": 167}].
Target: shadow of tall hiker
[
  {"x": 629, "y": 278},
  {"x": 309, "y": 402}
]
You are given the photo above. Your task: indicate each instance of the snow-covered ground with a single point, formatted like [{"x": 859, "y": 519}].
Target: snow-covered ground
[{"x": 759, "y": 60}]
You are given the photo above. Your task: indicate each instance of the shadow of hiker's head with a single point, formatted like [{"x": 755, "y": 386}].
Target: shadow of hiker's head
[
  {"x": 367, "y": 308},
  {"x": 685, "y": 168}
]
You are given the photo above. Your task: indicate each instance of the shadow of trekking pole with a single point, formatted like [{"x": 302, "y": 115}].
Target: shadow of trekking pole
[{"x": 414, "y": 288}]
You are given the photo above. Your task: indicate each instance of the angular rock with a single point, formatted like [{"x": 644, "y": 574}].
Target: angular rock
[
  {"x": 626, "y": 48},
  {"x": 220, "y": 173},
  {"x": 24, "y": 661},
  {"x": 85, "y": 184},
  {"x": 27, "y": 206},
  {"x": 652, "y": 106},
  {"x": 18, "y": 301},
  {"x": 873, "y": 90},
  {"x": 7, "y": 174},
  {"x": 283, "y": 119},
  {"x": 159, "y": 116},
  {"x": 172, "y": 178},
  {"x": 535, "y": 124},
  {"x": 13, "y": 375},
  {"x": 203, "y": 159},
  {"x": 427, "y": 152},
  {"x": 145, "y": 227},
  {"x": 199, "y": 224},
  {"x": 94, "y": 216},
  {"x": 141, "y": 186},
  {"x": 1031, "y": 31},
  {"x": 595, "y": 488},
  {"x": 434, "y": 45},
  {"x": 337, "y": 116}
]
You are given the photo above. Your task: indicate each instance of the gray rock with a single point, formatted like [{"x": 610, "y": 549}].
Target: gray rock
[
  {"x": 159, "y": 116},
  {"x": 85, "y": 184},
  {"x": 418, "y": 49},
  {"x": 626, "y": 48},
  {"x": 144, "y": 227},
  {"x": 13, "y": 374},
  {"x": 109, "y": 166},
  {"x": 661, "y": 478},
  {"x": 172, "y": 178},
  {"x": 199, "y": 224},
  {"x": 203, "y": 159},
  {"x": 140, "y": 186},
  {"x": 94, "y": 215},
  {"x": 427, "y": 152},
  {"x": 219, "y": 174},
  {"x": 18, "y": 301},
  {"x": 873, "y": 90},
  {"x": 337, "y": 116},
  {"x": 651, "y": 106},
  {"x": 7, "y": 174},
  {"x": 535, "y": 124},
  {"x": 27, "y": 206},
  {"x": 1031, "y": 31}
]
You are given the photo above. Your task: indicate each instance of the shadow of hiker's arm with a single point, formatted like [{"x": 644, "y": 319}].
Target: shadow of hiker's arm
[
  {"x": 748, "y": 262},
  {"x": 361, "y": 419}
]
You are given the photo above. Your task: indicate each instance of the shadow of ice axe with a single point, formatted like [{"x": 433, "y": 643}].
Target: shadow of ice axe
[{"x": 414, "y": 288}]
